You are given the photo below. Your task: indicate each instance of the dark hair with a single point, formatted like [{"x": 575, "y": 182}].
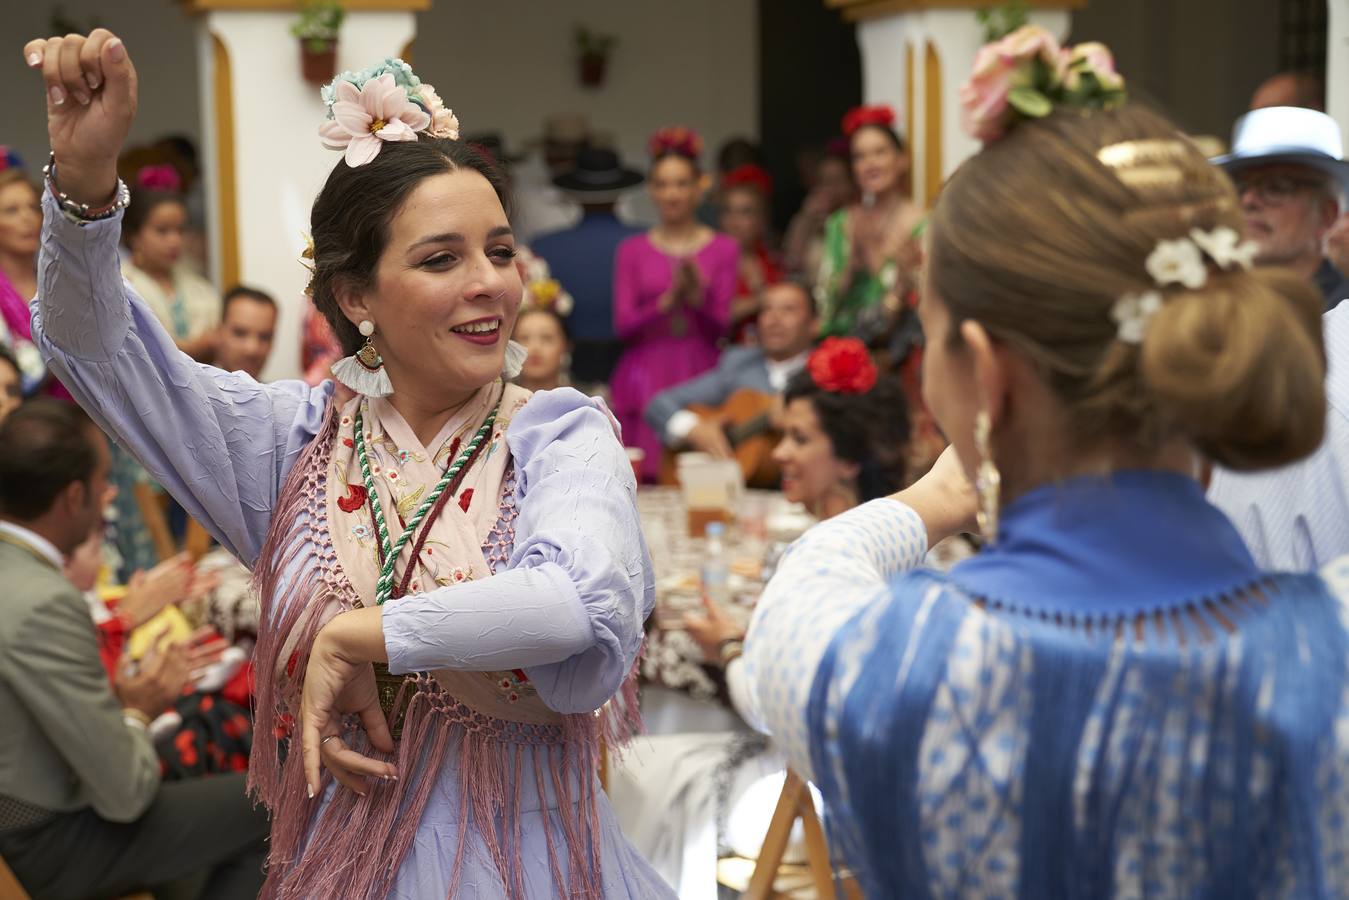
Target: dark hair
[
  {"x": 737, "y": 152},
  {"x": 802, "y": 284},
  {"x": 545, "y": 311},
  {"x": 671, "y": 153},
  {"x": 871, "y": 430},
  {"x": 243, "y": 291},
  {"x": 350, "y": 218},
  {"x": 48, "y": 446},
  {"x": 143, "y": 204},
  {"x": 890, "y": 133}
]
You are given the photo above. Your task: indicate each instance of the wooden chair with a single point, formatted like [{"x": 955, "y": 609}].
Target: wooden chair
[
  {"x": 153, "y": 506},
  {"x": 795, "y": 803},
  {"x": 10, "y": 889}
]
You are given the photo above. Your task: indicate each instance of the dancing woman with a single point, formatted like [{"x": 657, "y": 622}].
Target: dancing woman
[
  {"x": 1111, "y": 699},
  {"x": 452, "y": 574}
]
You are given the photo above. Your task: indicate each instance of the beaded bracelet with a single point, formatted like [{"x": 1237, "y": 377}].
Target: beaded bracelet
[{"x": 82, "y": 214}]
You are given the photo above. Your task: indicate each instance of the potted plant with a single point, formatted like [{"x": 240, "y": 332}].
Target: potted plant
[
  {"x": 592, "y": 51},
  {"x": 317, "y": 30}
]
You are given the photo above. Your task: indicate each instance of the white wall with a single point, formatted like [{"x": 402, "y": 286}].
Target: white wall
[
  {"x": 279, "y": 163},
  {"x": 503, "y": 66},
  {"x": 161, "y": 38}
]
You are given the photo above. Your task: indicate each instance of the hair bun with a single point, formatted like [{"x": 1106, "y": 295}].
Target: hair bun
[{"x": 1239, "y": 366}]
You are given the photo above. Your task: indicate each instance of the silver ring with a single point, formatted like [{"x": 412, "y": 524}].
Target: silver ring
[{"x": 327, "y": 739}]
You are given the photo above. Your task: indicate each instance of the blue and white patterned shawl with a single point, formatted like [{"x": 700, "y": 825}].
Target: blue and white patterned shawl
[{"x": 1009, "y": 730}]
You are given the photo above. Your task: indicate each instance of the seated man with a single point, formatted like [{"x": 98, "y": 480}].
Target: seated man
[
  {"x": 1289, "y": 170},
  {"x": 82, "y": 809},
  {"x": 787, "y": 327}
]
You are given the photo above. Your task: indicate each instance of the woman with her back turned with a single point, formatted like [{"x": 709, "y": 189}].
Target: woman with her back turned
[{"x": 1111, "y": 699}]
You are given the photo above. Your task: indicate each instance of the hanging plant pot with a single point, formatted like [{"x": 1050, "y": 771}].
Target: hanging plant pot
[
  {"x": 318, "y": 63},
  {"x": 592, "y": 69}
]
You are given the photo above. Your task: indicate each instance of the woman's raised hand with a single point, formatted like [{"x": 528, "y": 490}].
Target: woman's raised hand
[{"x": 91, "y": 103}]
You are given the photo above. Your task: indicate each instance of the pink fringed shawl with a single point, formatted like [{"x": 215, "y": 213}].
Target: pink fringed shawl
[{"x": 352, "y": 846}]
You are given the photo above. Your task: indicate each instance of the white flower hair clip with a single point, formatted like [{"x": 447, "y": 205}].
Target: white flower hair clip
[
  {"x": 1179, "y": 261},
  {"x": 387, "y": 102}
]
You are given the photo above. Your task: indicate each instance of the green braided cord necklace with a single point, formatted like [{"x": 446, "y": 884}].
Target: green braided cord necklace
[{"x": 384, "y": 585}]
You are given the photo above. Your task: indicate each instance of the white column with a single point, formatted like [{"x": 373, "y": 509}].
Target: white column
[
  {"x": 956, "y": 36},
  {"x": 278, "y": 163}
]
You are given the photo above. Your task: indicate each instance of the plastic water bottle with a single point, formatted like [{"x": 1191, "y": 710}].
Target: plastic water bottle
[{"x": 716, "y": 570}]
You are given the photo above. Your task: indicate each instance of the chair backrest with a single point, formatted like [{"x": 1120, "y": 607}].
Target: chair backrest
[{"x": 795, "y": 803}]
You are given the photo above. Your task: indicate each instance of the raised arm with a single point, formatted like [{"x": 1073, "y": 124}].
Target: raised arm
[
  {"x": 835, "y": 570},
  {"x": 220, "y": 442},
  {"x": 713, "y": 316},
  {"x": 632, "y": 314}
]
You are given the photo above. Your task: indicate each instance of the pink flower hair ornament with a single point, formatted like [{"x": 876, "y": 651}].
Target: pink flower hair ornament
[
  {"x": 159, "y": 178},
  {"x": 382, "y": 104},
  {"x": 1026, "y": 74}
]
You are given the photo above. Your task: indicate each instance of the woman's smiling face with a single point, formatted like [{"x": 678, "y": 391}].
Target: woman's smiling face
[{"x": 447, "y": 289}]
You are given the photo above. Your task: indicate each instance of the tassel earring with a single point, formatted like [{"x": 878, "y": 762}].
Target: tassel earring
[
  {"x": 514, "y": 362},
  {"x": 988, "y": 482},
  {"x": 363, "y": 371}
]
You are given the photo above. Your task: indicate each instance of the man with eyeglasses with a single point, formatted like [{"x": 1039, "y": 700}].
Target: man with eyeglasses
[
  {"x": 1289, "y": 169},
  {"x": 1288, "y": 166}
]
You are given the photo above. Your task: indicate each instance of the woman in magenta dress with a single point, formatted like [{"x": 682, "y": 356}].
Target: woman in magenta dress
[{"x": 672, "y": 292}]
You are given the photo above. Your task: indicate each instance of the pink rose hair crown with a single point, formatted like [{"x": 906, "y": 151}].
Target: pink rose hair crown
[
  {"x": 1026, "y": 74},
  {"x": 386, "y": 102}
]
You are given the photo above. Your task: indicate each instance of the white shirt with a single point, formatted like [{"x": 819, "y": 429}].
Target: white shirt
[
  {"x": 36, "y": 541},
  {"x": 1296, "y": 519},
  {"x": 779, "y": 373}
]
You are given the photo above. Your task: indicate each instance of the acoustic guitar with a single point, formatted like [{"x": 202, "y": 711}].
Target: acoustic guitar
[{"x": 747, "y": 419}]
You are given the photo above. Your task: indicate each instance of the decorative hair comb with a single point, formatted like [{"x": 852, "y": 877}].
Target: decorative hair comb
[
  {"x": 1026, "y": 74},
  {"x": 386, "y": 102},
  {"x": 159, "y": 178},
  {"x": 842, "y": 365},
  {"x": 749, "y": 175},
  {"x": 675, "y": 139},
  {"x": 861, "y": 116}
]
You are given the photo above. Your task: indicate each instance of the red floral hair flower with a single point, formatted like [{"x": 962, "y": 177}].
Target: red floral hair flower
[
  {"x": 354, "y": 499},
  {"x": 842, "y": 366},
  {"x": 749, "y": 175},
  {"x": 861, "y": 116},
  {"x": 675, "y": 139}
]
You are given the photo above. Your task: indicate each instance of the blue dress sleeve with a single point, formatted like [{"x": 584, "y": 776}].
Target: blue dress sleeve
[
  {"x": 569, "y": 608},
  {"x": 220, "y": 442}
]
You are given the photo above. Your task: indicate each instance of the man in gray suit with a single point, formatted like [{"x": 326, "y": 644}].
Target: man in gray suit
[
  {"x": 787, "y": 328},
  {"x": 82, "y": 810}
]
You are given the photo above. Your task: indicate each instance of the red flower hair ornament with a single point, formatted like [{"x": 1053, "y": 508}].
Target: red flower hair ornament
[
  {"x": 678, "y": 140},
  {"x": 861, "y": 116},
  {"x": 842, "y": 366},
  {"x": 749, "y": 175}
]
